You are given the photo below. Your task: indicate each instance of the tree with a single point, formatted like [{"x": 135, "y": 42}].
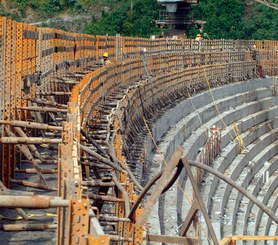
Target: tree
[
  {"x": 127, "y": 22},
  {"x": 234, "y": 19}
]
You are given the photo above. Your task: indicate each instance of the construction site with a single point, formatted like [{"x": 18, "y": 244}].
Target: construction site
[{"x": 174, "y": 142}]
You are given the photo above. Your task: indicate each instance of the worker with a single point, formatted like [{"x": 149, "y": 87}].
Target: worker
[
  {"x": 199, "y": 37},
  {"x": 106, "y": 61}
]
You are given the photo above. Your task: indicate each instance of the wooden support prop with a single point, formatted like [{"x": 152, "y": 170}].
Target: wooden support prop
[
  {"x": 29, "y": 140},
  {"x": 200, "y": 201},
  {"x": 31, "y": 125},
  {"x": 230, "y": 240},
  {"x": 189, "y": 218},
  {"x": 42, "y": 109},
  {"x": 161, "y": 183}
]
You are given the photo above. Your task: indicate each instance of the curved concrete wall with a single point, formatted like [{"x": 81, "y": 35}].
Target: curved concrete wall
[{"x": 183, "y": 124}]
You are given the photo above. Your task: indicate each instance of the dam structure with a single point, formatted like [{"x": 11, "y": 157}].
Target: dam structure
[{"x": 174, "y": 142}]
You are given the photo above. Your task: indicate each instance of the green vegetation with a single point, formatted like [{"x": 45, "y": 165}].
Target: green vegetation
[
  {"x": 127, "y": 22},
  {"x": 229, "y": 19},
  {"x": 235, "y": 19}
]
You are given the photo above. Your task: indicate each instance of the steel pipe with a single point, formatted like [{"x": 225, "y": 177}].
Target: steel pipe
[
  {"x": 27, "y": 227},
  {"x": 29, "y": 140},
  {"x": 31, "y": 202},
  {"x": 30, "y": 125}
]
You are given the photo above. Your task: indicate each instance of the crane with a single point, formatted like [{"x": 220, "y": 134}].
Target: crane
[{"x": 175, "y": 13}]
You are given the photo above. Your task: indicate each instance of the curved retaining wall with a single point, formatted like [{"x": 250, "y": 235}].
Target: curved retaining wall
[{"x": 179, "y": 134}]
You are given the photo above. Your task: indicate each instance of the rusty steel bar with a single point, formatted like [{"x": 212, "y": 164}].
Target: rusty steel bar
[
  {"x": 113, "y": 218},
  {"x": 42, "y": 109},
  {"x": 105, "y": 198},
  {"x": 67, "y": 82},
  {"x": 50, "y": 147},
  {"x": 26, "y": 152},
  {"x": 29, "y": 140},
  {"x": 55, "y": 93},
  {"x": 34, "y": 171},
  {"x": 93, "y": 183},
  {"x": 31, "y": 202},
  {"x": 33, "y": 185},
  {"x": 33, "y": 125},
  {"x": 46, "y": 102},
  {"x": 32, "y": 148},
  {"x": 19, "y": 210},
  {"x": 101, "y": 158},
  {"x": 124, "y": 193}
]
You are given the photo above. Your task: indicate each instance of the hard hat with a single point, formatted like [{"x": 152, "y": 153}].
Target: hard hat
[
  {"x": 198, "y": 35},
  {"x": 105, "y": 54}
]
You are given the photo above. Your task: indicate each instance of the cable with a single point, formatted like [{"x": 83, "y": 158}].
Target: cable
[{"x": 235, "y": 129}]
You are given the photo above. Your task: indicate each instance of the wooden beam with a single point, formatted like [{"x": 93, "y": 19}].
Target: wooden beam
[
  {"x": 161, "y": 183},
  {"x": 228, "y": 240},
  {"x": 172, "y": 239},
  {"x": 200, "y": 201},
  {"x": 189, "y": 218}
]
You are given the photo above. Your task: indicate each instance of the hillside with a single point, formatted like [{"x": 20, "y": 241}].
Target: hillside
[
  {"x": 237, "y": 19},
  {"x": 70, "y": 15},
  {"x": 233, "y": 19}
]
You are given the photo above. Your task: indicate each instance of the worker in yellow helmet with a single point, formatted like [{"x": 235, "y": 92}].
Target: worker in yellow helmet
[
  {"x": 199, "y": 37},
  {"x": 106, "y": 61}
]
